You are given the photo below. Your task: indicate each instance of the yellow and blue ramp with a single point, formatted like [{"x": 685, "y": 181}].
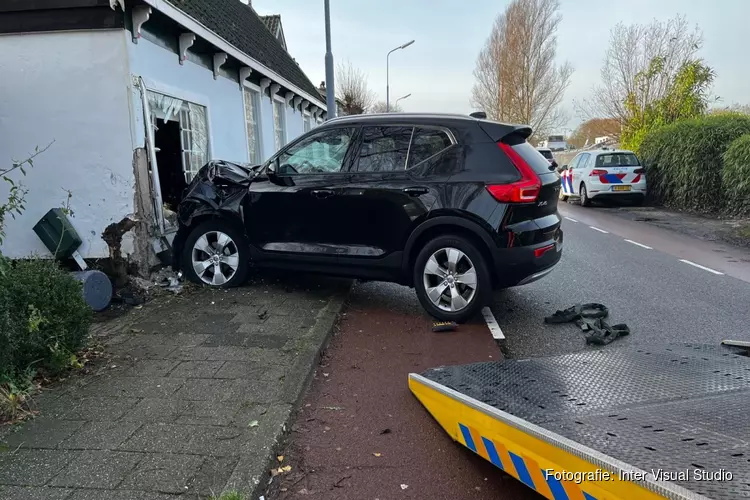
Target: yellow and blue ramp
[{"x": 551, "y": 424}]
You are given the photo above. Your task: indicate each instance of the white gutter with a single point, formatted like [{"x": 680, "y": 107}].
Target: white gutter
[{"x": 191, "y": 24}]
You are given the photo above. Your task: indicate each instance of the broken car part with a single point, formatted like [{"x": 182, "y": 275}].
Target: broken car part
[
  {"x": 590, "y": 318},
  {"x": 444, "y": 326}
]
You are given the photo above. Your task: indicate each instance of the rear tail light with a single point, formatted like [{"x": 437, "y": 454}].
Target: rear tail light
[
  {"x": 639, "y": 171},
  {"x": 538, "y": 252},
  {"x": 525, "y": 190},
  {"x": 597, "y": 171}
]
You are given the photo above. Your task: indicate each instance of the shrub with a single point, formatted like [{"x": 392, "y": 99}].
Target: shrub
[
  {"x": 43, "y": 318},
  {"x": 684, "y": 161},
  {"x": 736, "y": 176}
]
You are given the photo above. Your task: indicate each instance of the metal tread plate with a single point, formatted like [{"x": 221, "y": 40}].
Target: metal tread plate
[{"x": 676, "y": 408}]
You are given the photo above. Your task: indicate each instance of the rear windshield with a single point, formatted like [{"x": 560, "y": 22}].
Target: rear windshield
[
  {"x": 534, "y": 158},
  {"x": 546, "y": 153},
  {"x": 617, "y": 160}
]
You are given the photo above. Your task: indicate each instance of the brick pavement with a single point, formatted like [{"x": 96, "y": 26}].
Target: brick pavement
[{"x": 194, "y": 400}]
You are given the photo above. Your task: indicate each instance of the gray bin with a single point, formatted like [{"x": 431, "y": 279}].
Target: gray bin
[{"x": 97, "y": 289}]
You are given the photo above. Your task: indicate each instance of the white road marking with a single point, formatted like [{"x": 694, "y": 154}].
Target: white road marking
[
  {"x": 495, "y": 330},
  {"x": 702, "y": 267},
  {"x": 571, "y": 219},
  {"x": 600, "y": 230},
  {"x": 639, "y": 244}
]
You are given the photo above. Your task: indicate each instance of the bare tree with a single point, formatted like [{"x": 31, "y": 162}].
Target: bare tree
[
  {"x": 380, "y": 107},
  {"x": 351, "y": 89},
  {"x": 640, "y": 65},
  {"x": 589, "y": 130},
  {"x": 517, "y": 79}
]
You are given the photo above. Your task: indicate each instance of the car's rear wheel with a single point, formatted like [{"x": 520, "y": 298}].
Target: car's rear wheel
[
  {"x": 585, "y": 200},
  {"x": 451, "y": 278},
  {"x": 216, "y": 254}
]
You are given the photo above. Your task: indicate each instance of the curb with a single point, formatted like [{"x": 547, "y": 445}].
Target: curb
[{"x": 315, "y": 342}]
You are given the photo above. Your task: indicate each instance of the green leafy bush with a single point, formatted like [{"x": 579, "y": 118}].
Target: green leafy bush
[
  {"x": 43, "y": 318},
  {"x": 736, "y": 176},
  {"x": 684, "y": 162}
]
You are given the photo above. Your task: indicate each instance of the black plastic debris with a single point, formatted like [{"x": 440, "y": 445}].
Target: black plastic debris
[
  {"x": 590, "y": 318},
  {"x": 444, "y": 326}
]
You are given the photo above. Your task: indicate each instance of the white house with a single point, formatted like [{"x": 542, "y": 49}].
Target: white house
[{"x": 135, "y": 96}]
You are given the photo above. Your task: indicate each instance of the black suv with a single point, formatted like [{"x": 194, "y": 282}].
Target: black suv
[{"x": 452, "y": 205}]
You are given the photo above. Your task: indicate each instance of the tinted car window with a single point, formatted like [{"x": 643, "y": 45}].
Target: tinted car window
[
  {"x": 546, "y": 153},
  {"x": 383, "y": 149},
  {"x": 534, "y": 158},
  {"x": 323, "y": 152},
  {"x": 426, "y": 143},
  {"x": 617, "y": 160}
]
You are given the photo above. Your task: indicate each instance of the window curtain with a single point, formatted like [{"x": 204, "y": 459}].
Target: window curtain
[{"x": 164, "y": 106}]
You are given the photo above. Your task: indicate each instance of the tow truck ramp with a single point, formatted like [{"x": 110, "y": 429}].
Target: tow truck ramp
[{"x": 624, "y": 423}]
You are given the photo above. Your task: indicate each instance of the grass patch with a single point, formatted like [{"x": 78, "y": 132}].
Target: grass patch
[
  {"x": 230, "y": 495},
  {"x": 743, "y": 232}
]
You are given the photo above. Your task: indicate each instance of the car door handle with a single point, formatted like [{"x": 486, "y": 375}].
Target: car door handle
[
  {"x": 322, "y": 193},
  {"x": 416, "y": 191}
]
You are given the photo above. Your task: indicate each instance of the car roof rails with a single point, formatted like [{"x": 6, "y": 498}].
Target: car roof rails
[{"x": 479, "y": 114}]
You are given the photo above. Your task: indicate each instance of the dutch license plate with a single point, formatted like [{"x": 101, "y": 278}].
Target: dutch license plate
[{"x": 620, "y": 188}]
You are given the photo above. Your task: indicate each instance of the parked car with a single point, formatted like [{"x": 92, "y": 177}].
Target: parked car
[
  {"x": 451, "y": 205},
  {"x": 605, "y": 174},
  {"x": 547, "y": 153}
]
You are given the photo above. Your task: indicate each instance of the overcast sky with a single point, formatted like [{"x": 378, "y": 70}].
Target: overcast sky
[{"x": 437, "y": 68}]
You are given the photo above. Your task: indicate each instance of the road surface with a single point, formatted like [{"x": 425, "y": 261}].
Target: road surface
[{"x": 360, "y": 434}]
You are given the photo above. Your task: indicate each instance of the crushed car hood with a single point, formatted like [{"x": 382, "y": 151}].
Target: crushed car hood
[{"x": 218, "y": 187}]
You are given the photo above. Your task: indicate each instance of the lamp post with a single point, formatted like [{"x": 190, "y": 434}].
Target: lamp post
[
  {"x": 387, "y": 75},
  {"x": 330, "y": 98},
  {"x": 400, "y": 98}
]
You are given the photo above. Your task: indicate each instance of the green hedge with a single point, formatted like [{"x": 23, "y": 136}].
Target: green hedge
[
  {"x": 684, "y": 162},
  {"x": 736, "y": 175},
  {"x": 43, "y": 318}
]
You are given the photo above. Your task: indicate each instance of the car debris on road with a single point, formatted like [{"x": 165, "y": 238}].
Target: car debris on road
[
  {"x": 590, "y": 318},
  {"x": 444, "y": 326}
]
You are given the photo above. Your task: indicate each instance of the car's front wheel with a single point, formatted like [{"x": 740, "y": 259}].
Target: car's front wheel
[
  {"x": 216, "y": 254},
  {"x": 451, "y": 278}
]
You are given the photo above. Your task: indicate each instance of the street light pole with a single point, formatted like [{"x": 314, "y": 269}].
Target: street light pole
[
  {"x": 400, "y": 98},
  {"x": 330, "y": 98},
  {"x": 387, "y": 75}
]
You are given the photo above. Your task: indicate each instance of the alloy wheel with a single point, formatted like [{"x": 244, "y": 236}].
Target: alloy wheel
[
  {"x": 450, "y": 279},
  {"x": 215, "y": 258}
]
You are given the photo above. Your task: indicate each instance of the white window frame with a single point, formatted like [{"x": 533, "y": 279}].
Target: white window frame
[
  {"x": 285, "y": 139},
  {"x": 177, "y": 93},
  {"x": 307, "y": 122},
  {"x": 258, "y": 108}
]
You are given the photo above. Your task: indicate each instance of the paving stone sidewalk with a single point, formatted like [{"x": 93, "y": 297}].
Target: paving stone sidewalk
[{"x": 193, "y": 401}]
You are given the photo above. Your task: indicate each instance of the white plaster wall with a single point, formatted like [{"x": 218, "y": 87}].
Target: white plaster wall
[
  {"x": 70, "y": 88},
  {"x": 162, "y": 72}
]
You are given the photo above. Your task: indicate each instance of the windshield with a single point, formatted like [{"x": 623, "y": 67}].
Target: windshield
[
  {"x": 556, "y": 138},
  {"x": 617, "y": 160}
]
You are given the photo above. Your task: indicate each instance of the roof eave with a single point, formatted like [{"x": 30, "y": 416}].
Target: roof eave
[{"x": 196, "y": 27}]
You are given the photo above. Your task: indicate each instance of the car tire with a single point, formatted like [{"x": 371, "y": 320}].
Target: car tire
[
  {"x": 217, "y": 241},
  {"x": 585, "y": 200},
  {"x": 441, "y": 250},
  {"x": 638, "y": 202}
]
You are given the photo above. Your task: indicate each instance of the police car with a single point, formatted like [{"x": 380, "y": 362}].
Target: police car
[{"x": 604, "y": 174}]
